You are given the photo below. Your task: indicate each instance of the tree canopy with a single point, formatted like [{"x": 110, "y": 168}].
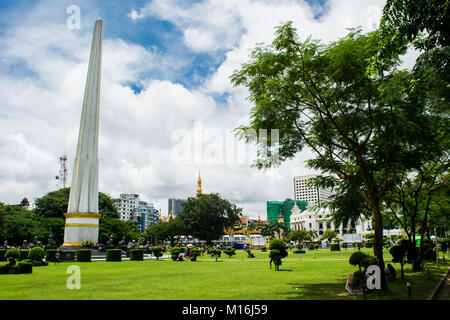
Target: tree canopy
[{"x": 208, "y": 215}]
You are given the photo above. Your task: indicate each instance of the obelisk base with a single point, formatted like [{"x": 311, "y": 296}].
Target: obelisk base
[{"x": 81, "y": 228}]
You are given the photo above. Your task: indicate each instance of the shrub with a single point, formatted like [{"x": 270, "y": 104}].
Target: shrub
[
  {"x": 24, "y": 254},
  {"x": 369, "y": 244},
  {"x": 50, "y": 255},
  {"x": 175, "y": 253},
  {"x": 36, "y": 253},
  {"x": 443, "y": 244},
  {"x": 263, "y": 249},
  {"x": 299, "y": 245},
  {"x": 299, "y": 251},
  {"x": 428, "y": 251},
  {"x": 249, "y": 253},
  {"x": 362, "y": 259},
  {"x": 335, "y": 247},
  {"x": 277, "y": 252},
  {"x": 22, "y": 267},
  {"x": 12, "y": 253},
  {"x": 215, "y": 253},
  {"x": 229, "y": 251},
  {"x": 137, "y": 255},
  {"x": 157, "y": 251},
  {"x": 36, "y": 263},
  {"x": 83, "y": 255},
  {"x": 113, "y": 255},
  {"x": 2, "y": 254},
  {"x": 344, "y": 245},
  {"x": 311, "y": 246},
  {"x": 195, "y": 253},
  {"x": 316, "y": 246},
  {"x": 4, "y": 269}
]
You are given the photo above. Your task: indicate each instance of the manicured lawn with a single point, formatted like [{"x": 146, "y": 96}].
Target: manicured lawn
[
  {"x": 204, "y": 279},
  {"x": 309, "y": 254}
]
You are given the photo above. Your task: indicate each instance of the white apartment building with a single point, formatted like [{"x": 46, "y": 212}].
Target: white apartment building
[
  {"x": 126, "y": 204},
  {"x": 309, "y": 194}
]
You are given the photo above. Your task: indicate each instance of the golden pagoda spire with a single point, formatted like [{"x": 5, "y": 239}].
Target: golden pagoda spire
[
  {"x": 160, "y": 216},
  {"x": 199, "y": 184}
]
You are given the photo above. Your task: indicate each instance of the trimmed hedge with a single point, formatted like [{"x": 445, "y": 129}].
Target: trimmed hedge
[
  {"x": 83, "y": 255},
  {"x": 136, "y": 255},
  {"x": 299, "y": 251},
  {"x": 2, "y": 254},
  {"x": 369, "y": 244},
  {"x": 4, "y": 269},
  {"x": 335, "y": 247},
  {"x": 24, "y": 254},
  {"x": 50, "y": 255},
  {"x": 22, "y": 267},
  {"x": 113, "y": 255},
  {"x": 263, "y": 249},
  {"x": 36, "y": 263}
]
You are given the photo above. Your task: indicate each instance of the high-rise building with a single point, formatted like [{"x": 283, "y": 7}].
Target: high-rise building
[
  {"x": 126, "y": 204},
  {"x": 175, "y": 206},
  {"x": 141, "y": 212},
  {"x": 312, "y": 195},
  {"x": 144, "y": 215}
]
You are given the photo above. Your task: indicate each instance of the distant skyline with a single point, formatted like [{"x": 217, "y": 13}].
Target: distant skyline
[{"x": 166, "y": 67}]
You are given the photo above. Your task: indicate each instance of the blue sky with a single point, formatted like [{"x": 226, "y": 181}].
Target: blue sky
[{"x": 165, "y": 72}]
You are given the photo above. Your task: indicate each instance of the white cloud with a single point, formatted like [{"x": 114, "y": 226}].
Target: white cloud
[{"x": 40, "y": 111}]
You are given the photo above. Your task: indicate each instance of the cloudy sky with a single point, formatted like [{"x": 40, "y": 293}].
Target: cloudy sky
[{"x": 167, "y": 105}]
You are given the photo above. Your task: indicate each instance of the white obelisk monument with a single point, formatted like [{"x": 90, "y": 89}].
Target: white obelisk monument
[{"x": 82, "y": 217}]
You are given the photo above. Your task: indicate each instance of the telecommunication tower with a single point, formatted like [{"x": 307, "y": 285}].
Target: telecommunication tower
[{"x": 62, "y": 177}]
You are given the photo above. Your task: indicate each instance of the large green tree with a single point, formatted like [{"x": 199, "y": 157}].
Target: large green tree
[
  {"x": 208, "y": 215},
  {"x": 360, "y": 126}
]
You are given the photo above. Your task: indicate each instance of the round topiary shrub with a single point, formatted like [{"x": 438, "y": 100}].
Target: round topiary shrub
[
  {"x": 50, "y": 255},
  {"x": 175, "y": 253},
  {"x": 2, "y": 254},
  {"x": 316, "y": 246},
  {"x": 195, "y": 252},
  {"x": 335, "y": 247},
  {"x": 263, "y": 249},
  {"x": 83, "y": 255},
  {"x": 113, "y": 255},
  {"x": 369, "y": 244},
  {"x": 311, "y": 246},
  {"x": 36, "y": 253},
  {"x": 137, "y": 255},
  {"x": 157, "y": 251}
]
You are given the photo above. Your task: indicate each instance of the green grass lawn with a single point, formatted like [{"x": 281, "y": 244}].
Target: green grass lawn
[
  {"x": 207, "y": 279},
  {"x": 309, "y": 254}
]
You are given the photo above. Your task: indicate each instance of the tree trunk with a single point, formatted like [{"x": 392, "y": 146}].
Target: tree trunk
[
  {"x": 420, "y": 255},
  {"x": 378, "y": 242}
]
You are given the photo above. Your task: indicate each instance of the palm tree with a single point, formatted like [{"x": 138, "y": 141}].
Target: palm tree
[{"x": 313, "y": 234}]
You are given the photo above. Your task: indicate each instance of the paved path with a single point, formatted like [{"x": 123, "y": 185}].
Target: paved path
[{"x": 444, "y": 290}]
